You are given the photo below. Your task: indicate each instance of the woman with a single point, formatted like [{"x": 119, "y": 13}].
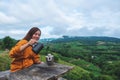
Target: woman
[{"x": 22, "y": 53}]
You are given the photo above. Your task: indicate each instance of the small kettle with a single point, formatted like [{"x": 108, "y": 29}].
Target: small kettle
[
  {"x": 37, "y": 47},
  {"x": 50, "y": 59}
]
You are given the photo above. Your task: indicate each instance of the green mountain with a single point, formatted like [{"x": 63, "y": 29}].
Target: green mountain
[
  {"x": 94, "y": 58},
  {"x": 99, "y": 56}
]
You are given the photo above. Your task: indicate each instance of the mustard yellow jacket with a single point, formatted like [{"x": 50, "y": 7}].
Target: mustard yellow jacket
[{"x": 22, "y": 59}]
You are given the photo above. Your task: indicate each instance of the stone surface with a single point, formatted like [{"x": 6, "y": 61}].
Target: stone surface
[
  {"x": 40, "y": 72},
  {"x": 4, "y": 75}
]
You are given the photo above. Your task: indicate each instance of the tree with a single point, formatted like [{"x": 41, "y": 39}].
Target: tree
[{"x": 8, "y": 42}]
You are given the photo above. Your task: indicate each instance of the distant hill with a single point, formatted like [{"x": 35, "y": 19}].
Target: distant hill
[{"x": 86, "y": 40}]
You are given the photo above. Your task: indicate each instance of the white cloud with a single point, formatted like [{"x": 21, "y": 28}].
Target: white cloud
[
  {"x": 2, "y": 32},
  {"x": 46, "y": 32},
  {"x": 16, "y": 32},
  {"x": 60, "y": 17},
  {"x": 4, "y": 19}
]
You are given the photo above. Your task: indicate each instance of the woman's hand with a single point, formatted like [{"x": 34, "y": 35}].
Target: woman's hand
[{"x": 32, "y": 41}]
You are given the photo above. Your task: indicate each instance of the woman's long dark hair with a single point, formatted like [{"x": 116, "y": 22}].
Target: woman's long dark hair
[{"x": 31, "y": 32}]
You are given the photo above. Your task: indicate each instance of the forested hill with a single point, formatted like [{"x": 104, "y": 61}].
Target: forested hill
[
  {"x": 94, "y": 58},
  {"x": 87, "y": 40},
  {"x": 100, "y": 56}
]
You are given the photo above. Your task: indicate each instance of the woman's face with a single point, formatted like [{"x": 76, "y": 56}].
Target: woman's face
[{"x": 36, "y": 35}]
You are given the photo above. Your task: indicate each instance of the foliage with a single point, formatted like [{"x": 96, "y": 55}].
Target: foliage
[
  {"x": 91, "y": 55},
  {"x": 77, "y": 73},
  {"x": 7, "y": 42},
  {"x": 112, "y": 68},
  {"x": 105, "y": 77},
  {"x": 4, "y": 61},
  {"x": 93, "y": 58}
]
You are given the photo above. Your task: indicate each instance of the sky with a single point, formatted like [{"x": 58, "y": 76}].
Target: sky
[{"x": 56, "y": 18}]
